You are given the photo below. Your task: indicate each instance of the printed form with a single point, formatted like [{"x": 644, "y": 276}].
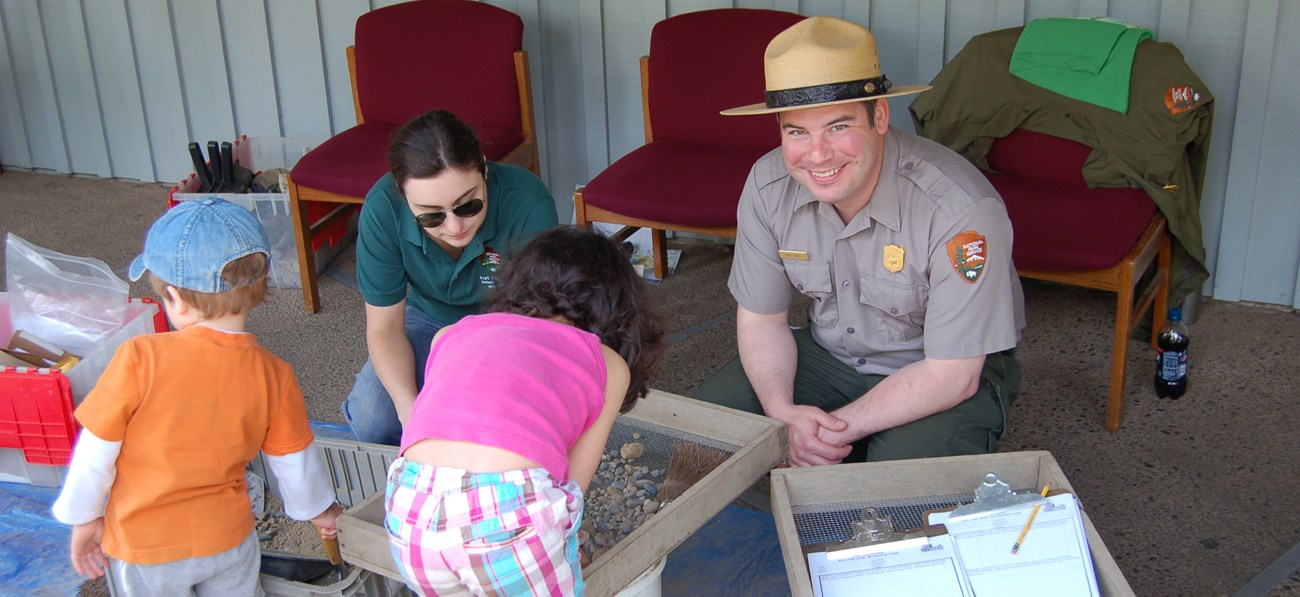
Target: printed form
[
  {"x": 928, "y": 568},
  {"x": 1053, "y": 559}
]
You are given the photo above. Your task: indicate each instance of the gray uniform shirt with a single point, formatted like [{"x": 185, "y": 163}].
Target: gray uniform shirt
[{"x": 923, "y": 271}]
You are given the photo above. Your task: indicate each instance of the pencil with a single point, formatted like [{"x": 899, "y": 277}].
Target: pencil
[{"x": 1025, "y": 531}]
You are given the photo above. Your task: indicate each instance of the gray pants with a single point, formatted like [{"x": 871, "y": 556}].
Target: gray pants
[
  {"x": 229, "y": 573},
  {"x": 972, "y": 427}
]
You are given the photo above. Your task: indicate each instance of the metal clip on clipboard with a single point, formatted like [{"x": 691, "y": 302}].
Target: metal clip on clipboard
[
  {"x": 994, "y": 494},
  {"x": 875, "y": 532}
]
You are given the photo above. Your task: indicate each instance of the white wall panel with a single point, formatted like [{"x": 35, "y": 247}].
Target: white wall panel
[
  {"x": 205, "y": 80},
  {"x": 247, "y": 43},
  {"x": 299, "y": 68},
  {"x": 69, "y": 48},
  {"x": 1273, "y": 241},
  {"x": 13, "y": 131},
  {"x": 1247, "y": 149},
  {"x": 35, "y": 85},
  {"x": 119, "y": 87},
  {"x": 338, "y": 22},
  {"x": 117, "y": 82}
]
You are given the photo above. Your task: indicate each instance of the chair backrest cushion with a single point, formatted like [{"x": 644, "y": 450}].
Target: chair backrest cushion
[
  {"x": 454, "y": 55},
  {"x": 1037, "y": 156},
  {"x": 707, "y": 61}
]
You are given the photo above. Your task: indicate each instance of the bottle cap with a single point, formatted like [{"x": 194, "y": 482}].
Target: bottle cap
[{"x": 1175, "y": 314}]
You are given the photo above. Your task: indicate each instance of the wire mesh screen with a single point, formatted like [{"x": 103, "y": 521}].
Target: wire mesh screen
[
  {"x": 658, "y": 441},
  {"x": 821, "y": 523},
  {"x": 633, "y": 479}
]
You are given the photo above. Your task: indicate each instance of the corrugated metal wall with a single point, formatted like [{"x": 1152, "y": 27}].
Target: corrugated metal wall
[{"x": 117, "y": 88}]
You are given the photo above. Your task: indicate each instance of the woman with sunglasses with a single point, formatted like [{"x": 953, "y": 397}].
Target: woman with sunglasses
[{"x": 431, "y": 236}]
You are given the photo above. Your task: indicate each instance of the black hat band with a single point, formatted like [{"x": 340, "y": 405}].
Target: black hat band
[{"x": 820, "y": 94}]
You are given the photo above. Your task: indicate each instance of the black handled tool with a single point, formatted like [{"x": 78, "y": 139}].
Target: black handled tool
[
  {"x": 214, "y": 158},
  {"x": 227, "y": 167},
  {"x": 200, "y": 169}
]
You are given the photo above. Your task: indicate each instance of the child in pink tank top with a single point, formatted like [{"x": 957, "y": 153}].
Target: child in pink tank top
[{"x": 505, "y": 436}]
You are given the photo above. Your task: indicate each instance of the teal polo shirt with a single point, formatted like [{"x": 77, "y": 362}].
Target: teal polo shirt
[{"x": 396, "y": 260}]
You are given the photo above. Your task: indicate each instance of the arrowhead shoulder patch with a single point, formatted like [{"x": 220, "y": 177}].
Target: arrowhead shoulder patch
[{"x": 967, "y": 252}]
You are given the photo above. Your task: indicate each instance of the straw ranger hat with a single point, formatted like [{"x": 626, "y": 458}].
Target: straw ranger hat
[{"x": 822, "y": 61}]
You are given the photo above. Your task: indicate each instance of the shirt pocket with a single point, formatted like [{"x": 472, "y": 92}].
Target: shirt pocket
[
  {"x": 813, "y": 279},
  {"x": 899, "y": 307}
]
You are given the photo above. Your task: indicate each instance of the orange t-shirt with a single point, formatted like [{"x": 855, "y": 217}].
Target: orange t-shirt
[{"x": 191, "y": 409}]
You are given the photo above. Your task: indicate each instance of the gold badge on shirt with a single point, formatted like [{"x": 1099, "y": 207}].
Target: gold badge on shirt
[
  {"x": 894, "y": 258},
  {"x": 796, "y": 255}
]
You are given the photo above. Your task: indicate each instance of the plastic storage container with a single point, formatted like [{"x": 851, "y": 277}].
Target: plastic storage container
[
  {"x": 37, "y": 430},
  {"x": 272, "y": 209}
]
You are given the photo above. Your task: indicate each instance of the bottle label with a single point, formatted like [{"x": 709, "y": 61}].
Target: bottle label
[{"x": 1173, "y": 364}]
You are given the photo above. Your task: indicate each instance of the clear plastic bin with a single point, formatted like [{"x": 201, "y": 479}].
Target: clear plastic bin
[
  {"x": 272, "y": 209},
  {"x": 36, "y": 425}
]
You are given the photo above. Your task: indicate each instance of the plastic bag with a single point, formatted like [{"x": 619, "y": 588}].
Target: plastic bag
[{"x": 73, "y": 302}]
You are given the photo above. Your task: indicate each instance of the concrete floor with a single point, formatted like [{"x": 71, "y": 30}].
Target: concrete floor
[{"x": 1192, "y": 497}]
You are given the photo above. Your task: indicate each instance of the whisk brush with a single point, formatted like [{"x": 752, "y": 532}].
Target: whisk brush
[{"x": 687, "y": 464}]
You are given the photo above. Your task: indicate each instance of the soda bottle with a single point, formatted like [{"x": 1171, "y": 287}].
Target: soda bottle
[{"x": 1171, "y": 357}]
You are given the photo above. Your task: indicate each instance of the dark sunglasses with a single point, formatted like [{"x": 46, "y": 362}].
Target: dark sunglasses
[{"x": 434, "y": 219}]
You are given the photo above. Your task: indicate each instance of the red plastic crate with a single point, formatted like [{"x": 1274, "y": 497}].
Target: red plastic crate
[
  {"x": 36, "y": 409},
  {"x": 36, "y": 415}
]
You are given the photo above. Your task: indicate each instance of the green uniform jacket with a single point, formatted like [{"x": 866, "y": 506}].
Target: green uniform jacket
[{"x": 1161, "y": 145}]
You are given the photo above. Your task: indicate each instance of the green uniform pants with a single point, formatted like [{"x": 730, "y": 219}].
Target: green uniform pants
[{"x": 972, "y": 427}]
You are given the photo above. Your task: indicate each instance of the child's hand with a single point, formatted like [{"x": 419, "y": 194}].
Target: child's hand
[
  {"x": 87, "y": 556},
  {"x": 327, "y": 522}
]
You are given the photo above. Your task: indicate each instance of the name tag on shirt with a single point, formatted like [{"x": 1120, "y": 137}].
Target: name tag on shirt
[{"x": 796, "y": 255}]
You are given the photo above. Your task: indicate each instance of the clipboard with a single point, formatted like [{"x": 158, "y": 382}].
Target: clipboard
[
  {"x": 1054, "y": 558},
  {"x": 880, "y": 561}
]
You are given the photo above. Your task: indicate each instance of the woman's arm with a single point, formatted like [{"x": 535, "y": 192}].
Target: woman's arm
[
  {"x": 585, "y": 455},
  {"x": 391, "y": 355}
]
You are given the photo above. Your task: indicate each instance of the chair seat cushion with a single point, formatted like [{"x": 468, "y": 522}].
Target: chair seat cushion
[
  {"x": 1070, "y": 227},
  {"x": 675, "y": 183},
  {"x": 348, "y": 163}
]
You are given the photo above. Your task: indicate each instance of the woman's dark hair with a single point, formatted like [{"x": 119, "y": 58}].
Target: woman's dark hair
[
  {"x": 580, "y": 275},
  {"x": 431, "y": 143}
]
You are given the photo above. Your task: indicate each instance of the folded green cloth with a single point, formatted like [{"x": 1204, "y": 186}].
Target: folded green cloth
[{"x": 1086, "y": 59}]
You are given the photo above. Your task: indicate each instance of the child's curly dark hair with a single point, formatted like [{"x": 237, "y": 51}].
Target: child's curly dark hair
[{"x": 580, "y": 275}]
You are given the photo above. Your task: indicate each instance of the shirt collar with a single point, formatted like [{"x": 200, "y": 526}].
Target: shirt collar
[{"x": 884, "y": 205}]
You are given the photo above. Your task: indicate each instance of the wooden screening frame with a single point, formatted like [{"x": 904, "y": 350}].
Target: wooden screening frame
[
  {"x": 900, "y": 479},
  {"x": 761, "y": 445}
]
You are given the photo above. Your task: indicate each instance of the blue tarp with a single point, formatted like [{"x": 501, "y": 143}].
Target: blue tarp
[
  {"x": 33, "y": 546},
  {"x": 736, "y": 553}
]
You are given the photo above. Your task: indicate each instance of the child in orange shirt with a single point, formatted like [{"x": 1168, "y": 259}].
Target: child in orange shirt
[{"x": 176, "y": 417}]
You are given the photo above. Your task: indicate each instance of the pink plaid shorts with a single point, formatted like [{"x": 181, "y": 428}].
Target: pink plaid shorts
[{"x": 454, "y": 532}]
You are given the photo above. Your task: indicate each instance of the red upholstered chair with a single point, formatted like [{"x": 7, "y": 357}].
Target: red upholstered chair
[
  {"x": 1066, "y": 232},
  {"x": 462, "y": 56},
  {"x": 689, "y": 174}
]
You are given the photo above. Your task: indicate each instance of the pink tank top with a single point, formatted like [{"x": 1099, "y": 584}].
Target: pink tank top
[{"x": 528, "y": 385}]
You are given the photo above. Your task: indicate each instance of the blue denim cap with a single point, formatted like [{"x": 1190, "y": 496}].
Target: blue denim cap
[{"x": 191, "y": 244}]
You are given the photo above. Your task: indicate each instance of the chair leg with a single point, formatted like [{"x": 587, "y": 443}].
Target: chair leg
[
  {"x": 1119, "y": 352},
  {"x": 580, "y": 210},
  {"x": 1164, "y": 261},
  {"x": 306, "y": 256},
  {"x": 659, "y": 246}
]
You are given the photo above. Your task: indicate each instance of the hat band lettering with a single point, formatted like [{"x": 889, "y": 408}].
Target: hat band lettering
[{"x": 820, "y": 94}]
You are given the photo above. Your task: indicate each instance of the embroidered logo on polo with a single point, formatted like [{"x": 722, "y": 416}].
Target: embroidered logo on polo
[
  {"x": 491, "y": 261},
  {"x": 1181, "y": 98},
  {"x": 967, "y": 251}
]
